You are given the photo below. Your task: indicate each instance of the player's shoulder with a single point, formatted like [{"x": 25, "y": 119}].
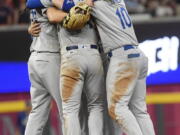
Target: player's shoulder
[{"x": 109, "y": 2}]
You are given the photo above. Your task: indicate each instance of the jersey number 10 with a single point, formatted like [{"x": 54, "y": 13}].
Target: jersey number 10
[{"x": 124, "y": 17}]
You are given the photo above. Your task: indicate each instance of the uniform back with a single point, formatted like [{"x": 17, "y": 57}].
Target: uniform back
[
  {"x": 114, "y": 24},
  {"x": 48, "y": 38},
  {"x": 85, "y": 36}
]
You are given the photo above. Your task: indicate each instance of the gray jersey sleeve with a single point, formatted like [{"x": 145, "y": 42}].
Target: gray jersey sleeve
[
  {"x": 47, "y": 3},
  {"x": 38, "y": 15}
]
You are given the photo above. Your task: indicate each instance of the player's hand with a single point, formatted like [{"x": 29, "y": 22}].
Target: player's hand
[{"x": 34, "y": 29}]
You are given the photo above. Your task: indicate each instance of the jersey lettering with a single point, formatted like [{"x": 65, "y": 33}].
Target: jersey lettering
[
  {"x": 33, "y": 15},
  {"x": 124, "y": 17}
]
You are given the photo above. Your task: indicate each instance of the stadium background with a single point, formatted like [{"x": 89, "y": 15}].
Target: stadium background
[{"x": 159, "y": 38}]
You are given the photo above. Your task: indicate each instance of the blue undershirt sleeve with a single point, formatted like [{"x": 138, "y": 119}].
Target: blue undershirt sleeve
[
  {"x": 67, "y": 5},
  {"x": 34, "y": 4}
]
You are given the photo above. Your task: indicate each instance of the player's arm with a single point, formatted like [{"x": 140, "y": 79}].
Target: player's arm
[
  {"x": 34, "y": 29},
  {"x": 55, "y": 15}
]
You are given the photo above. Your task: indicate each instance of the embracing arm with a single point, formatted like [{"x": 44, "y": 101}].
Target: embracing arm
[
  {"x": 34, "y": 29},
  {"x": 55, "y": 15}
]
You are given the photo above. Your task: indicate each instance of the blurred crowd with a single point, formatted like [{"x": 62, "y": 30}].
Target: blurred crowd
[
  {"x": 12, "y": 11},
  {"x": 156, "y": 8}
]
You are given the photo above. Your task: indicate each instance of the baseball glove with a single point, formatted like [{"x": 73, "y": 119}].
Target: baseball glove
[{"x": 78, "y": 16}]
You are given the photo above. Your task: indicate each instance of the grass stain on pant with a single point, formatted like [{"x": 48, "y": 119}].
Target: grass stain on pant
[
  {"x": 123, "y": 81},
  {"x": 70, "y": 77}
]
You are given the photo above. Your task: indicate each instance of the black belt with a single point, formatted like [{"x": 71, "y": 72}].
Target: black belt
[
  {"x": 127, "y": 47},
  {"x": 68, "y": 48}
]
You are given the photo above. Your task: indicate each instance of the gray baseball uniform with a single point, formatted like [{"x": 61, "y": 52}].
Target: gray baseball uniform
[
  {"x": 82, "y": 115},
  {"x": 126, "y": 77},
  {"x": 81, "y": 66},
  {"x": 44, "y": 67},
  {"x": 47, "y": 3}
]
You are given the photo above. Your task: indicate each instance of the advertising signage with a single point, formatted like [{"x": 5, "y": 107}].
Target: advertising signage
[
  {"x": 160, "y": 41},
  {"x": 163, "y": 65}
]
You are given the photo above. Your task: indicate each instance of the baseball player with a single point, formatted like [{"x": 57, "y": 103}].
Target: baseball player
[
  {"x": 82, "y": 115},
  {"x": 81, "y": 66},
  {"x": 110, "y": 128},
  {"x": 126, "y": 76},
  {"x": 43, "y": 66},
  {"x": 59, "y": 16}
]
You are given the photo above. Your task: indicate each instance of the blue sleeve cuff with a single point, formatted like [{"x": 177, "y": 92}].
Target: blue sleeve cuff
[
  {"x": 32, "y": 4},
  {"x": 67, "y": 5}
]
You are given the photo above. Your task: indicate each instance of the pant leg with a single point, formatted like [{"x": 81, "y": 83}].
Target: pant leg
[
  {"x": 139, "y": 109},
  {"x": 83, "y": 115},
  {"x": 47, "y": 128},
  {"x": 51, "y": 81},
  {"x": 71, "y": 85},
  {"x": 110, "y": 125},
  {"x": 95, "y": 91},
  {"x": 138, "y": 102},
  {"x": 121, "y": 78},
  {"x": 40, "y": 98}
]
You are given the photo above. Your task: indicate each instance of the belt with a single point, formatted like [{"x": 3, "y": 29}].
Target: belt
[
  {"x": 127, "y": 47},
  {"x": 68, "y": 48},
  {"x": 43, "y": 51}
]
